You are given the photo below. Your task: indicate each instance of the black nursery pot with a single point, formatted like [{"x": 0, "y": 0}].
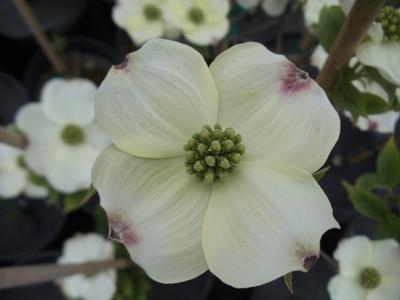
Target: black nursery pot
[
  {"x": 53, "y": 15},
  {"x": 13, "y": 96},
  {"x": 27, "y": 228},
  {"x": 84, "y": 57}
]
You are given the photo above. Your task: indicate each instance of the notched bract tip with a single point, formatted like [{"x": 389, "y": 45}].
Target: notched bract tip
[
  {"x": 121, "y": 231},
  {"x": 309, "y": 262},
  {"x": 295, "y": 80},
  {"x": 122, "y": 65}
]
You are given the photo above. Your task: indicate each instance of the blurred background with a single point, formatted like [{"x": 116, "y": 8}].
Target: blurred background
[{"x": 82, "y": 31}]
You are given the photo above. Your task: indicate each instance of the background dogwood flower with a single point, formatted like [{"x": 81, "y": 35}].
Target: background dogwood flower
[
  {"x": 271, "y": 7},
  {"x": 202, "y": 22},
  {"x": 368, "y": 270},
  {"x": 14, "y": 179},
  {"x": 64, "y": 140},
  {"x": 86, "y": 248},
  {"x": 264, "y": 215},
  {"x": 383, "y": 122},
  {"x": 142, "y": 19}
]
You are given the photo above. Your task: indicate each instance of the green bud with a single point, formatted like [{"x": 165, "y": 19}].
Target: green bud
[
  {"x": 190, "y": 170},
  {"x": 210, "y": 161},
  {"x": 191, "y": 156},
  {"x": 222, "y": 175},
  {"x": 238, "y": 139},
  {"x": 240, "y": 149},
  {"x": 229, "y": 133},
  {"x": 202, "y": 149},
  {"x": 218, "y": 134},
  {"x": 198, "y": 166},
  {"x": 235, "y": 158},
  {"x": 227, "y": 145},
  {"x": 209, "y": 177},
  {"x": 215, "y": 147},
  {"x": 205, "y": 134},
  {"x": 224, "y": 163}
]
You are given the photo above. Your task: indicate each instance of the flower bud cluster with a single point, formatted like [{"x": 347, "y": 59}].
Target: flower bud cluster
[
  {"x": 389, "y": 17},
  {"x": 212, "y": 154}
]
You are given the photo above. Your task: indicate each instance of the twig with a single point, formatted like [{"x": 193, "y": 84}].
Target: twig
[
  {"x": 13, "y": 138},
  {"x": 354, "y": 29},
  {"x": 40, "y": 36},
  {"x": 32, "y": 274},
  {"x": 329, "y": 260}
]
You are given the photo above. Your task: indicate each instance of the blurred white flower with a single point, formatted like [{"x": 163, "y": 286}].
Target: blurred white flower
[
  {"x": 184, "y": 197},
  {"x": 14, "y": 179},
  {"x": 368, "y": 270},
  {"x": 312, "y": 9},
  {"x": 142, "y": 19},
  {"x": 271, "y": 7},
  {"x": 203, "y": 22},
  {"x": 318, "y": 57},
  {"x": 381, "y": 123},
  {"x": 64, "y": 140},
  {"x": 86, "y": 248}
]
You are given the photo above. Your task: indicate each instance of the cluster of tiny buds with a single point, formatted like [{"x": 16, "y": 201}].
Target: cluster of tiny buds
[
  {"x": 369, "y": 278},
  {"x": 212, "y": 154},
  {"x": 389, "y": 17}
]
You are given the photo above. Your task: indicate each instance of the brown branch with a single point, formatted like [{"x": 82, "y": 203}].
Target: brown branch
[
  {"x": 36, "y": 28},
  {"x": 354, "y": 29},
  {"x": 32, "y": 274},
  {"x": 13, "y": 138}
]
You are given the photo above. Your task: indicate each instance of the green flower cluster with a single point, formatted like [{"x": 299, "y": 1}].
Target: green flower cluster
[
  {"x": 72, "y": 135},
  {"x": 389, "y": 17},
  {"x": 212, "y": 154},
  {"x": 152, "y": 12},
  {"x": 369, "y": 278}
]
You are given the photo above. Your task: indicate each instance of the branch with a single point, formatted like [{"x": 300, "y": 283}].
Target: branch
[
  {"x": 40, "y": 36},
  {"x": 12, "y": 138},
  {"x": 354, "y": 29},
  {"x": 32, "y": 274}
]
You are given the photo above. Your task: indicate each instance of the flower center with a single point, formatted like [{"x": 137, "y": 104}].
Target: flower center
[
  {"x": 196, "y": 15},
  {"x": 389, "y": 17},
  {"x": 369, "y": 278},
  {"x": 72, "y": 135},
  {"x": 152, "y": 12},
  {"x": 212, "y": 154}
]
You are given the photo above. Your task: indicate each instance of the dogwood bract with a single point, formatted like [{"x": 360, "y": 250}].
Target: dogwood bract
[
  {"x": 203, "y": 22},
  {"x": 85, "y": 248},
  {"x": 142, "y": 19},
  {"x": 14, "y": 179},
  {"x": 211, "y": 167},
  {"x": 64, "y": 140},
  {"x": 368, "y": 270},
  {"x": 271, "y": 7}
]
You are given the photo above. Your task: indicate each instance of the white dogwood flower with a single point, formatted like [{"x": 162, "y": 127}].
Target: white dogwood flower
[
  {"x": 238, "y": 198},
  {"x": 312, "y": 9},
  {"x": 368, "y": 270},
  {"x": 64, "y": 140},
  {"x": 14, "y": 179},
  {"x": 142, "y": 19},
  {"x": 271, "y": 7},
  {"x": 85, "y": 248},
  {"x": 203, "y": 22}
]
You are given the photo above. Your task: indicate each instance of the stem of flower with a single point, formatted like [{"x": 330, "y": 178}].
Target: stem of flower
[
  {"x": 354, "y": 29},
  {"x": 33, "y": 274},
  {"x": 329, "y": 260},
  {"x": 36, "y": 28},
  {"x": 12, "y": 138}
]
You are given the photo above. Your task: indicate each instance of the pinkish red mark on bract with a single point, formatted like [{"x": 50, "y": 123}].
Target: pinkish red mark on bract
[
  {"x": 309, "y": 262},
  {"x": 295, "y": 80},
  {"x": 121, "y": 231},
  {"x": 122, "y": 65}
]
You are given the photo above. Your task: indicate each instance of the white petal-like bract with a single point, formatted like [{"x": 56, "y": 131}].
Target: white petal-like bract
[
  {"x": 151, "y": 105},
  {"x": 156, "y": 210}
]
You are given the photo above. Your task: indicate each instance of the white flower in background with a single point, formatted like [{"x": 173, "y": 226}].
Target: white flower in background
[
  {"x": 203, "y": 22},
  {"x": 85, "y": 248},
  {"x": 64, "y": 140},
  {"x": 368, "y": 270},
  {"x": 318, "y": 57},
  {"x": 382, "y": 50},
  {"x": 142, "y": 19},
  {"x": 271, "y": 7},
  {"x": 312, "y": 9},
  {"x": 14, "y": 179},
  {"x": 381, "y": 123},
  {"x": 184, "y": 197}
]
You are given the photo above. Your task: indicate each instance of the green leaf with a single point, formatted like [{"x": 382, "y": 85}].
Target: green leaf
[
  {"x": 331, "y": 20},
  {"x": 289, "y": 282},
  {"x": 368, "y": 181},
  {"x": 74, "y": 201},
  {"x": 390, "y": 88},
  {"x": 374, "y": 104},
  {"x": 348, "y": 97},
  {"x": 389, "y": 227},
  {"x": 321, "y": 173},
  {"x": 366, "y": 203},
  {"x": 388, "y": 164}
]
